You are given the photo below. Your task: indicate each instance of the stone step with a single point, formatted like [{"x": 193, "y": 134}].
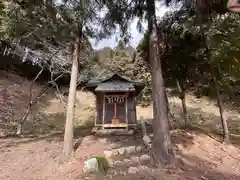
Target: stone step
[
  {"x": 141, "y": 168},
  {"x": 124, "y": 151},
  {"x": 132, "y": 161},
  {"x": 129, "y": 170},
  {"x": 107, "y": 132}
]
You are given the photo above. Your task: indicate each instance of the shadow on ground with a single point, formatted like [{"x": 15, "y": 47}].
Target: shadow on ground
[{"x": 202, "y": 169}]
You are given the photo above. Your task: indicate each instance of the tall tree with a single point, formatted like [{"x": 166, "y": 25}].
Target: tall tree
[
  {"x": 215, "y": 84},
  {"x": 68, "y": 133},
  {"x": 121, "y": 12},
  {"x": 162, "y": 147}
]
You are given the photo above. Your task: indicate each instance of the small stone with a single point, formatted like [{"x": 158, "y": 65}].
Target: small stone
[
  {"x": 87, "y": 178},
  {"x": 130, "y": 149},
  {"x": 108, "y": 153},
  {"x": 179, "y": 171},
  {"x": 91, "y": 165},
  {"x": 144, "y": 168},
  {"x": 110, "y": 176},
  {"x": 135, "y": 159},
  {"x": 122, "y": 173},
  {"x": 147, "y": 140},
  {"x": 103, "y": 140},
  {"x": 115, "y": 173},
  {"x": 127, "y": 162},
  {"x": 150, "y": 135},
  {"x": 104, "y": 132},
  {"x": 133, "y": 170},
  {"x": 145, "y": 158},
  {"x": 114, "y": 152},
  {"x": 118, "y": 163},
  {"x": 95, "y": 129},
  {"x": 131, "y": 131},
  {"x": 139, "y": 149},
  {"x": 121, "y": 151},
  {"x": 109, "y": 131},
  {"x": 110, "y": 163},
  {"x": 86, "y": 139}
]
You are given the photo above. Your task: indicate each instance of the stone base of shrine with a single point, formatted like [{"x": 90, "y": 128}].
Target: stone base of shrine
[{"x": 101, "y": 131}]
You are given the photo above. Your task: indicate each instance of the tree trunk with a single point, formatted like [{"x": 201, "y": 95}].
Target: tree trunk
[
  {"x": 68, "y": 135},
  {"x": 182, "y": 96},
  {"x": 19, "y": 129},
  {"x": 21, "y": 121},
  {"x": 159, "y": 56},
  {"x": 220, "y": 106},
  {"x": 162, "y": 146},
  {"x": 171, "y": 115},
  {"x": 170, "y": 123},
  {"x": 212, "y": 71},
  {"x": 167, "y": 103}
]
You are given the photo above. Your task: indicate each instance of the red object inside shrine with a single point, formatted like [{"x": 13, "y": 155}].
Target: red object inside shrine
[
  {"x": 115, "y": 120},
  {"x": 115, "y": 111}
]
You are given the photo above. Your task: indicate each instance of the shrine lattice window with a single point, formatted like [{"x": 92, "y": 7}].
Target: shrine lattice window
[{"x": 115, "y": 108}]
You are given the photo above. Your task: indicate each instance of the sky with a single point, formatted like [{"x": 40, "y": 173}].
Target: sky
[{"x": 136, "y": 36}]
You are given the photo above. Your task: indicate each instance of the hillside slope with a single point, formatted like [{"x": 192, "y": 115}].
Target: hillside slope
[
  {"x": 46, "y": 116},
  {"x": 14, "y": 99}
]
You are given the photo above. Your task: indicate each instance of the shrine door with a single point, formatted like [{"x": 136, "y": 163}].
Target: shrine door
[{"x": 115, "y": 109}]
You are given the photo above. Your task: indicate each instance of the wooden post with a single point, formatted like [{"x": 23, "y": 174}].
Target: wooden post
[
  {"x": 96, "y": 113},
  {"x": 103, "y": 111},
  {"x": 144, "y": 130},
  {"x": 126, "y": 109}
]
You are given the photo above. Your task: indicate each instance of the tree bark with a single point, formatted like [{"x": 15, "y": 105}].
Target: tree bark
[
  {"x": 182, "y": 96},
  {"x": 68, "y": 134},
  {"x": 220, "y": 106},
  {"x": 159, "y": 56},
  {"x": 171, "y": 115},
  {"x": 162, "y": 151},
  {"x": 19, "y": 129},
  {"x": 167, "y": 103}
]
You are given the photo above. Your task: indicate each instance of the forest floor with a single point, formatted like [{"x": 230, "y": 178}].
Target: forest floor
[
  {"x": 202, "y": 158},
  {"x": 37, "y": 155}
]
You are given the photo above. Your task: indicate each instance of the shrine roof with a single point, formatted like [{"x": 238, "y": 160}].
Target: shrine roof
[
  {"x": 114, "y": 83},
  {"x": 115, "y": 86},
  {"x": 113, "y": 77}
]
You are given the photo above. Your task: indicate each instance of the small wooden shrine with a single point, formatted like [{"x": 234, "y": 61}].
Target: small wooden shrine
[{"x": 115, "y": 101}]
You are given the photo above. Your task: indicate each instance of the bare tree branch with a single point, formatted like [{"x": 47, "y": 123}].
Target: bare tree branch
[{"x": 32, "y": 102}]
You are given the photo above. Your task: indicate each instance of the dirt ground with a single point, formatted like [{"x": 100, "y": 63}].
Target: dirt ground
[{"x": 202, "y": 157}]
